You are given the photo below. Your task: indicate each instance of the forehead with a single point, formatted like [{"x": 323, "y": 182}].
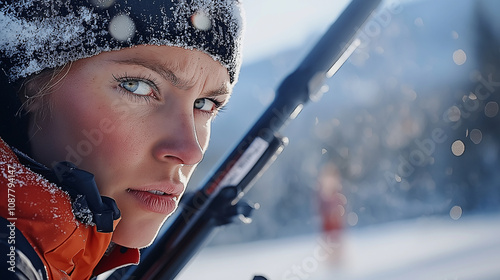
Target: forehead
[{"x": 181, "y": 66}]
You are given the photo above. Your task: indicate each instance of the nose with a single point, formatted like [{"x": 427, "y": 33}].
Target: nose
[{"x": 179, "y": 143}]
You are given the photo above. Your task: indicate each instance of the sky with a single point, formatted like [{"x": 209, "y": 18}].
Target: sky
[{"x": 273, "y": 25}]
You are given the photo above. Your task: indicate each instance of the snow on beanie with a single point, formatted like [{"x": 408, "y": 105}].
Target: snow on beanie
[{"x": 40, "y": 34}]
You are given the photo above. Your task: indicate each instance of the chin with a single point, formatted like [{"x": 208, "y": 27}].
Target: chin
[
  {"x": 135, "y": 236},
  {"x": 132, "y": 242}
]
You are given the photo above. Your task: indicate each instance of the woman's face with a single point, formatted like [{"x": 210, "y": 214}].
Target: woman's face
[{"x": 139, "y": 120}]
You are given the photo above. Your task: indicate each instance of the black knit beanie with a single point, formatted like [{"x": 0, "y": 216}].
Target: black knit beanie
[{"x": 39, "y": 34}]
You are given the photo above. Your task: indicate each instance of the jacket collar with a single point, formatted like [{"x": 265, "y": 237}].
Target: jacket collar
[
  {"x": 116, "y": 257},
  {"x": 88, "y": 205}
]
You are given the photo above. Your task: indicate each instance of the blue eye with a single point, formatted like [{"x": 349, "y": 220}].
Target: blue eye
[
  {"x": 206, "y": 105},
  {"x": 138, "y": 87}
]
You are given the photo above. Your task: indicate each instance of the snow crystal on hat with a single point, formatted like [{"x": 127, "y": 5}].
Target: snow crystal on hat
[{"x": 40, "y": 34}]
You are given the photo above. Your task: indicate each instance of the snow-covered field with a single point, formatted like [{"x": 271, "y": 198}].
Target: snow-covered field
[{"x": 427, "y": 248}]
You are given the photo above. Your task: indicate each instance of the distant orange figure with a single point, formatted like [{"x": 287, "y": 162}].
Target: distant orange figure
[{"x": 331, "y": 207}]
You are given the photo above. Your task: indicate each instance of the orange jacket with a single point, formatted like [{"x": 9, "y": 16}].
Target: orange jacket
[{"x": 68, "y": 248}]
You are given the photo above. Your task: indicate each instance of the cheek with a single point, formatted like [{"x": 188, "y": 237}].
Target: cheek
[
  {"x": 83, "y": 110},
  {"x": 97, "y": 135},
  {"x": 203, "y": 131},
  {"x": 70, "y": 131},
  {"x": 113, "y": 135},
  {"x": 117, "y": 155}
]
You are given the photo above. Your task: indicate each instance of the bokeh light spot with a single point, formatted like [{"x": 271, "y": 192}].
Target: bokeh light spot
[
  {"x": 419, "y": 22},
  {"x": 458, "y": 148},
  {"x": 352, "y": 219},
  {"x": 201, "y": 21},
  {"x": 122, "y": 28},
  {"x": 398, "y": 178},
  {"x": 476, "y": 136},
  {"x": 459, "y": 57},
  {"x": 454, "y": 114},
  {"x": 456, "y": 212},
  {"x": 491, "y": 109}
]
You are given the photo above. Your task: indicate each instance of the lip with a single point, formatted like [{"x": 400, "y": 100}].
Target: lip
[{"x": 162, "y": 204}]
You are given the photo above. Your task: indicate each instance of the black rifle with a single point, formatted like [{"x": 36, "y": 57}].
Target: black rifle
[{"x": 218, "y": 201}]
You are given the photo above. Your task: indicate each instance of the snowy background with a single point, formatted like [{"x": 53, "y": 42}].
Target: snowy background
[
  {"x": 401, "y": 156},
  {"x": 422, "y": 249}
]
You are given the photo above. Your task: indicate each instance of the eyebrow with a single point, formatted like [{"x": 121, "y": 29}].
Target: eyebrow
[{"x": 169, "y": 75}]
